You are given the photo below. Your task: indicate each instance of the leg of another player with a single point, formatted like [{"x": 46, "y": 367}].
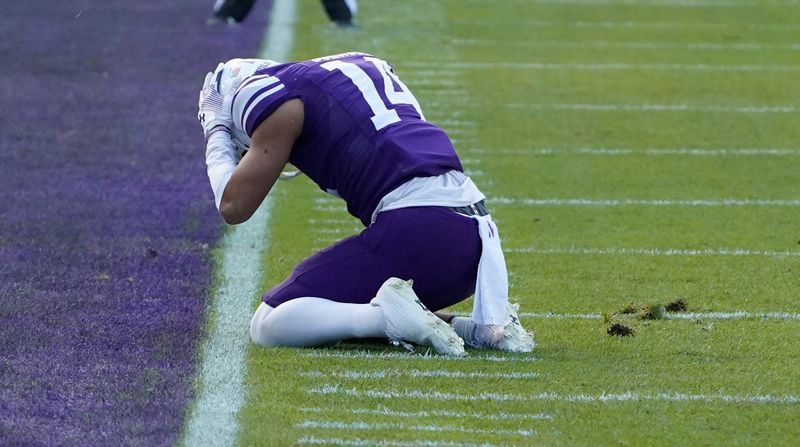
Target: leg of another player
[
  {"x": 310, "y": 321},
  {"x": 341, "y": 12}
]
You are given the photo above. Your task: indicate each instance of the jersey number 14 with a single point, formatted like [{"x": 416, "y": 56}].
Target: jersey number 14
[{"x": 382, "y": 116}]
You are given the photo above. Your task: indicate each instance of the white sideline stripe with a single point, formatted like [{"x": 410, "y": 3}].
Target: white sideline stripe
[
  {"x": 416, "y": 373},
  {"x": 628, "y": 396},
  {"x": 643, "y": 202},
  {"x": 213, "y": 420},
  {"x": 361, "y": 425},
  {"x": 653, "y": 251},
  {"x": 616, "y": 66},
  {"x": 657, "y": 108},
  {"x": 411, "y": 356},
  {"x": 358, "y": 442},
  {"x": 604, "y": 45},
  {"x": 384, "y": 411},
  {"x": 710, "y": 152}
]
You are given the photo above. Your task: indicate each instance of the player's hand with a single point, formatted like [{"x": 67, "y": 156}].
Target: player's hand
[{"x": 214, "y": 109}]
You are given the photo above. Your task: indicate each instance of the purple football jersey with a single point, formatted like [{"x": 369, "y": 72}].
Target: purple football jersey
[{"x": 364, "y": 133}]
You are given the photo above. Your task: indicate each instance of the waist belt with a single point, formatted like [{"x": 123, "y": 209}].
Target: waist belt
[{"x": 476, "y": 209}]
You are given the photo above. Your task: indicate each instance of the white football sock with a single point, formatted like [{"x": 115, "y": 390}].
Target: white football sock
[
  {"x": 476, "y": 335},
  {"x": 466, "y": 329},
  {"x": 309, "y": 321}
]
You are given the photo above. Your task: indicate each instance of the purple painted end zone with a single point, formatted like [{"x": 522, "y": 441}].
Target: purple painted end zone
[{"x": 105, "y": 215}]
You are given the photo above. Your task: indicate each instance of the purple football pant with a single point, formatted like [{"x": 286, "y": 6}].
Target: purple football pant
[{"x": 436, "y": 247}]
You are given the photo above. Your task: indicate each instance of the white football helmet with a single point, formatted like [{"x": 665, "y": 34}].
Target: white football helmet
[{"x": 228, "y": 77}]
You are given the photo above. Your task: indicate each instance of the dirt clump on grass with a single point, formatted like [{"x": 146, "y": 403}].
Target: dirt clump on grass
[
  {"x": 678, "y": 305},
  {"x": 620, "y": 330}
]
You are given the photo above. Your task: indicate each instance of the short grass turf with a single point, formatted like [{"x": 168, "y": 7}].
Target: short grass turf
[{"x": 504, "y": 79}]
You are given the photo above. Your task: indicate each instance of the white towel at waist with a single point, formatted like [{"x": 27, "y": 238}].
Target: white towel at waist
[{"x": 491, "y": 288}]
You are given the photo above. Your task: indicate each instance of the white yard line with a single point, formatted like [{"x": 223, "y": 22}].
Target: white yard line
[
  {"x": 384, "y": 411},
  {"x": 643, "y": 202},
  {"x": 673, "y": 3},
  {"x": 758, "y": 109},
  {"x": 416, "y": 373},
  {"x": 330, "y": 221},
  {"x": 619, "y": 66},
  {"x": 622, "y": 251},
  {"x": 561, "y": 316},
  {"x": 361, "y": 425},
  {"x": 609, "y": 45},
  {"x": 731, "y": 315},
  {"x": 628, "y": 396},
  {"x": 213, "y": 420},
  {"x": 613, "y": 152},
  {"x": 737, "y": 315},
  {"x": 365, "y": 355},
  {"x": 313, "y": 440},
  {"x": 328, "y": 209},
  {"x": 590, "y": 24}
]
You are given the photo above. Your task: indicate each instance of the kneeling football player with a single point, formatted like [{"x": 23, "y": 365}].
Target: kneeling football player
[{"x": 353, "y": 127}]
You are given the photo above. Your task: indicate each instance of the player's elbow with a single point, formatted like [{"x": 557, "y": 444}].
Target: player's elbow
[{"x": 232, "y": 214}]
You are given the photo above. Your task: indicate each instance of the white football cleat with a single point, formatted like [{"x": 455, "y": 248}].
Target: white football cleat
[
  {"x": 407, "y": 319},
  {"x": 515, "y": 337},
  {"x": 512, "y": 337}
]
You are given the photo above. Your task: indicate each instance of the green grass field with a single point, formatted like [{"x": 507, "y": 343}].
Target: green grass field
[{"x": 631, "y": 151}]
